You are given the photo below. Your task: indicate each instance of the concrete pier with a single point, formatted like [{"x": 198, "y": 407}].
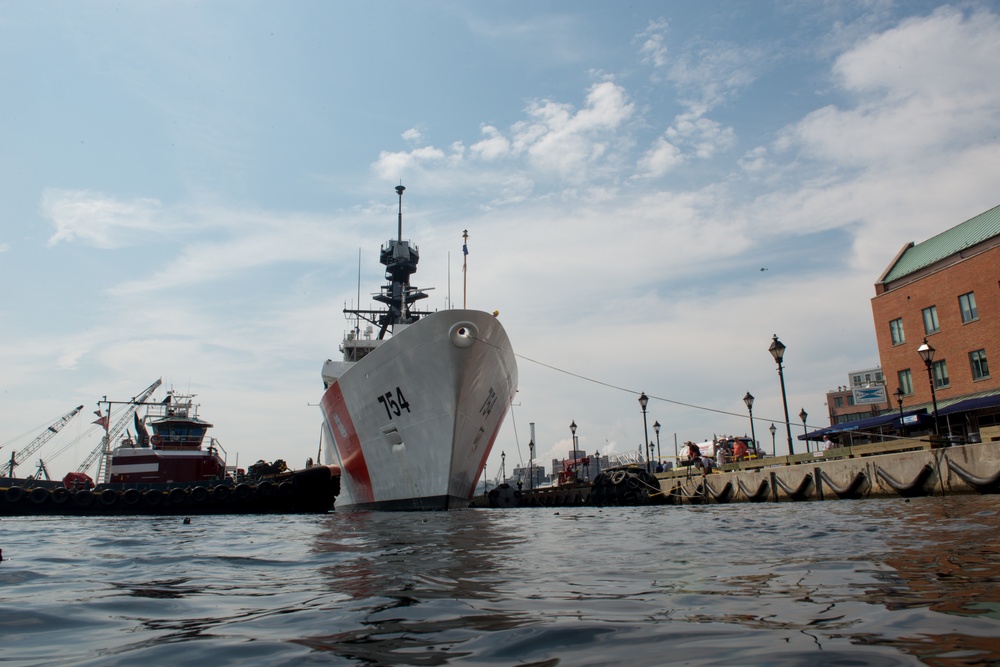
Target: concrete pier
[
  {"x": 904, "y": 468},
  {"x": 901, "y": 468}
]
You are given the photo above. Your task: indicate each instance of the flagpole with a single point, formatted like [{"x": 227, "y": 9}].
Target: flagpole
[{"x": 465, "y": 260}]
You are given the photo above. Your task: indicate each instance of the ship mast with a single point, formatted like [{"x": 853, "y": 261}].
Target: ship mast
[{"x": 400, "y": 259}]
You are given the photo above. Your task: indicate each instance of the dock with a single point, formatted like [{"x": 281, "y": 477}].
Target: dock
[{"x": 903, "y": 468}]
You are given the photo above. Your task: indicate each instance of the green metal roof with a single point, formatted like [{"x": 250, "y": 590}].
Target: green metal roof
[{"x": 976, "y": 230}]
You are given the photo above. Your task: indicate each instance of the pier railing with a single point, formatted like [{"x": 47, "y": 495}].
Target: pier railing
[{"x": 857, "y": 451}]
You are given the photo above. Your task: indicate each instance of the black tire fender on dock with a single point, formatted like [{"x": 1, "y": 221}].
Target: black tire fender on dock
[
  {"x": 131, "y": 496},
  {"x": 264, "y": 488},
  {"x": 618, "y": 476},
  {"x": 221, "y": 492},
  {"x": 286, "y": 489},
  {"x": 40, "y": 495},
  {"x": 109, "y": 497},
  {"x": 243, "y": 492},
  {"x": 199, "y": 494},
  {"x": 14, "y": 494},
  {"x": 60, "y": 495},
  {"x": 177, "y": 495},
  {"x": 153, "y": 497},
  {"x": 84, "y": 498}
]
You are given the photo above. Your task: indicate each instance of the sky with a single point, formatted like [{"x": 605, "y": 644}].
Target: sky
[{"x": 194, "y": 191}]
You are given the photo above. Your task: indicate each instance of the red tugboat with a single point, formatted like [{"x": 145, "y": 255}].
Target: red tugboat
[
  {"x": 171, "y": 466},
  {"x": 173, "y": 452}
]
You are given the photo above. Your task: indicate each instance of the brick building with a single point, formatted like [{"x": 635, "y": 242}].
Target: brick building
[{"x": 945, "y": 291}]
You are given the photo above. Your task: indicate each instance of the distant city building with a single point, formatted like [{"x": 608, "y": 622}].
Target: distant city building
[
  {"x": 863, "y": 396},
  {"x": 526, "y": 473}
]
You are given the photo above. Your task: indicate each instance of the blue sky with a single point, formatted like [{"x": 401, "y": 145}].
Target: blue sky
[{"x": 186, "y": 187}]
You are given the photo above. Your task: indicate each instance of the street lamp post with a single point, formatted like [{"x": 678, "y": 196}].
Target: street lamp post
[
  {"x": 748, "y": 399},
  {"x": 573, "y": 455},
  {"x": 773, "y": 429},
  {"x": 899, "y": 399},
  {"x": 803, "y": 415},
  {"x": 777, "y": 351},
  {"x": 656, "y": 428},
  {"x": 927, "y": 354},
  {"x": 643, "y": 400},
  {"x": 531, "y": 457},
  {"x": 597, "y": 455},
  {"x": 503, "y": 467}
]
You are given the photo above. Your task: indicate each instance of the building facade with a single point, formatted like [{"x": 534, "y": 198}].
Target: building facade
[
  {"x": 945, "y": 291},
  {"x": 857, "y": 399}
]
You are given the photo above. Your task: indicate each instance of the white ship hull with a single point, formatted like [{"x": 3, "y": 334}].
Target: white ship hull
[{"x": 413, "y": 422}]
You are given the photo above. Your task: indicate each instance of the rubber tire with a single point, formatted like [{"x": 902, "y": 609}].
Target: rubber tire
[{"x": 40, "y": 495}]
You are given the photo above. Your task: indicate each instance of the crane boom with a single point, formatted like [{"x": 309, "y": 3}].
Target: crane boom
[
  {"x": 112, "y": 433},
  {"x": 35, "y": 444}
]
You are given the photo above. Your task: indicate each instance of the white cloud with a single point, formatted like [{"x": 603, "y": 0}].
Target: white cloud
[
  {"x": 704, "y": 135},
  {"x": 99, "y": 220},
  {"x": 556, "y": 139},
  {"x": 564, "y": 142},
  {"x": 920, "y": 91},
  {"x": 653, "y": 43},
  {"x": 660, "y": 158},
  {"x": 493, "y": 147},
  {"x": 396, "y": 165}
]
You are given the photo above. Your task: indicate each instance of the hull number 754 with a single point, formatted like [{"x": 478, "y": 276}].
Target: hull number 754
[{"x": 394, "y": 406}]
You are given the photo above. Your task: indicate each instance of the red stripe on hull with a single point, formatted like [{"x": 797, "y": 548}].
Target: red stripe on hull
[
  {"x": 348, "y": 444},
  {"x": 486, "y": 453}
]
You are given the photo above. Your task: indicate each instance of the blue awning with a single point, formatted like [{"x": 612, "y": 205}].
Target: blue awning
[
  {"x": 888, "y": 419},
  {"x": 969, "y": 404}
]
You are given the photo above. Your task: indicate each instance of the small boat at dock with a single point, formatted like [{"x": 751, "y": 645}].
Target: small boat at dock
[{"x": 171, "y": 466}]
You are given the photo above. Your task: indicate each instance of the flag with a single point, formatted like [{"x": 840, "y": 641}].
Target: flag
[
  {"x": 102, "y": 421},
  {"x": 465, "y": 249}
]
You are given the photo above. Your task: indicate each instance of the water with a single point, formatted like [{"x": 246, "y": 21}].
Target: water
[{"x": 873, "y": 582}]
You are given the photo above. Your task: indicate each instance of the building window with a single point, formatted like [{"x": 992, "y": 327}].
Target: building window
[
  {"x": 878, "y": 377},
  {"x": 980, "y": 369},
  {"x": 941, "y": 374},
  {"x": 850, "y": 399},
  {"x": 931, "y": 320},
  {"x": 838, "y": 401},
  {"x": 905, "y": 382},
  {"x": 856, "y": 381},
  {"x": 896, "y": 328},
  {"x": 967, "y": 302}
]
